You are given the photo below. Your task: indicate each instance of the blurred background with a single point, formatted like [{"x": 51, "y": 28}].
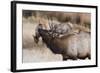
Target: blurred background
[{"x": 33, "y": 52}]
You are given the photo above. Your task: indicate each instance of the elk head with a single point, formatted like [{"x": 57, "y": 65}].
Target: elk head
[{"x": 37, "y": 35}]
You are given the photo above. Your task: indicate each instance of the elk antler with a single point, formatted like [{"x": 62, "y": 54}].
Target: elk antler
[{"x": 53, "y": 27}]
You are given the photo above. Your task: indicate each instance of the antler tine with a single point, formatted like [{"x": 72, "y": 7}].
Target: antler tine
[
  {"x": 49, "y": 22},
  {"x": 55, "y": 27},
  {"x": 52, "y": 24}
]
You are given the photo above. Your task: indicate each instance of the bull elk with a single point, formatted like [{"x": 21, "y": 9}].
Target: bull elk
[{"x": 71, "y": 46}]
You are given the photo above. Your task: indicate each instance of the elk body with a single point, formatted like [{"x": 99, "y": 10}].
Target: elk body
[{"x": 71, "y": 46}]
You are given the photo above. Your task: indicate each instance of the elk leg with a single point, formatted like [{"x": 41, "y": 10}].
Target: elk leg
[
  {"x": 89, "y": 56},
  {"x": 74, "y": 58},
  {"x": 64, "y": 59}
]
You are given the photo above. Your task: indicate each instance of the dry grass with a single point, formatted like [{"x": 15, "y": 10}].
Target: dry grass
[{"x": 33, "y": 52}]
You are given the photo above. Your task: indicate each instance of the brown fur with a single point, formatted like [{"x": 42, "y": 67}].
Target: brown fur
[{"x": 62, "y": 45}]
